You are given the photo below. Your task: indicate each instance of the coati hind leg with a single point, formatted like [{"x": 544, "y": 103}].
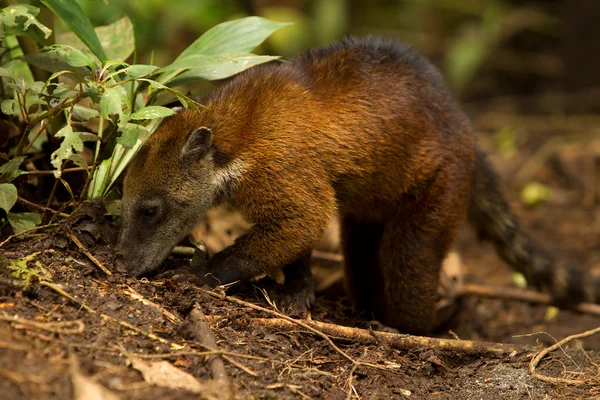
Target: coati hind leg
[
  {"x": 391, "y": 276},
  {"x": 393, "y": 266},
  {"x": 360, "y": 244},
  {"x": 410, "y": 258}
]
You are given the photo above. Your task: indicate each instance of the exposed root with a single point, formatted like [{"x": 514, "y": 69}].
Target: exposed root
[
  {"x": 395, "y": 340},
  {"x": 203, "y": 334},
  {"x": 557, "y": 380}
]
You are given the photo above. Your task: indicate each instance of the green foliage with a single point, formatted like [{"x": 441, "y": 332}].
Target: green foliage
[
  {"x": 16, "y": 20},
  {"x": 92, "y": 83},
  {"x": 73, "y": 16},
  {"x": 24, "y": 273}
]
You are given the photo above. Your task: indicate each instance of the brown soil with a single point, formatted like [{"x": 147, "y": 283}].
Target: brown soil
[{"x": 37, "y": 351}]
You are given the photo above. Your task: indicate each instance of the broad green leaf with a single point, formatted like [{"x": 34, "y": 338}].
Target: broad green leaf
[
  {"x": 10, "y": 170},
  {"x": 152, "y": 112},
  {"x": 54, "y": 63},
  {"x": 73, "y": 57},
  {"x": 240, "y": 35},
  {"x": 111, "y": 102},
  {"x": 214, "y": 67},
  {"x": 71, "y": 142},
  {"x": 130, "y": 133},
  {"x": 10, "y": 107},
  {"x": 8, "y": 196},
  {"x": 5, "y": 72},
  {"x": 73, "y": 16},
  {"x": 117, "y": 39},
  {"x": 140, "y": 70},
  {"x": 13, "y": 16},
  {"x": 23, "y": 221},
  {"x": 81, "y": 113}
]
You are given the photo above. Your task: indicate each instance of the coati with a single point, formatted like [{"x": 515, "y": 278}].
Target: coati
[{"x": 366, "y": 128}]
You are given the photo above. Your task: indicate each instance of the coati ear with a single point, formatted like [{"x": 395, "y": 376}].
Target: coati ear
[{"x": 197, "y": 145}]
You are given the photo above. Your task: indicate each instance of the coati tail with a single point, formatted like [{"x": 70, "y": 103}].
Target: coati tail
[{"x": 494, "y": 221}]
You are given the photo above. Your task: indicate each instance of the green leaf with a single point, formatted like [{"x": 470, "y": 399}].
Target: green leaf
[
  {"x": 10, "y": 170},
  {"x": 117, "y": 39},
  {"x": 8, "y": 196},
  {"x": 240, "y": 35},
  {"x": 73, "y": 16},
  {"x": 23, "y": 221},
  {"x": 15, "y": 15},
  {"x": 10, "y": 107},
  {"x": 140, "y": 70},
  {"x": 73, "y": 57},
  {"x": 71, "y": 142},
  {"x": 81, "y": 113},
  {"x": 214, "y": 67},
  {"x": 111, "y": 102},
  {"x": 101, "y": 179},
  {"x": 130, "y": 133},
  {"x": 54, "y": 63},
  {"x": 152, "y": 112},
  {"x": 79, "y": 161}
]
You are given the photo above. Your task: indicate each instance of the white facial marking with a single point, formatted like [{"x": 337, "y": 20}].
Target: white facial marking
[{"x": 230, "y": 175}]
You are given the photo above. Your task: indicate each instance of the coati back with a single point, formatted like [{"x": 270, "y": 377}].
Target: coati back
[{"x": 366, "y": 128}]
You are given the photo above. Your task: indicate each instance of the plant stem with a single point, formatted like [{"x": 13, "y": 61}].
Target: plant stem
[
  {"x": 42, "y": 208},
  {"x": 64, "y": 171}
]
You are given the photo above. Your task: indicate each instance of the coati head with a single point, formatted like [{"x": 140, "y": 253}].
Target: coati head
[{"x": 171, "y": 183}]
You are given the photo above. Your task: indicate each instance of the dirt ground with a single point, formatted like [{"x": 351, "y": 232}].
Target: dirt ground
[{"x": 72, "y": 327}]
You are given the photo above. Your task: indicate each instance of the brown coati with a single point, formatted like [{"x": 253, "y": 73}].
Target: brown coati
[{"x": 364, "y": 127}]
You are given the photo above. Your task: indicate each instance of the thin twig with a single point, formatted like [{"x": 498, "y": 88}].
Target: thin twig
[
  {"x": 528, "y": 296},
  {"x": 89, "y": 255},
  {"x": 65, "y": 327},
  {"x": 37, "y": 228},
  {"x": 42, "y": 208},
  {"x": 536, "y": 360},
  {"x": 64, "y": 171},
  {"x": 137, "y": 296}
]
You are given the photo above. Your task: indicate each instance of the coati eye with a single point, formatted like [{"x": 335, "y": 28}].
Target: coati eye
[{"x": 149, "y": 212}]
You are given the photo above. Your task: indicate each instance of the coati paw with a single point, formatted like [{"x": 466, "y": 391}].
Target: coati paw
[
  {"x": 293, "y": 297},
  {"x": 296, "y": 294},
  {"x": 226, "y": 267}
]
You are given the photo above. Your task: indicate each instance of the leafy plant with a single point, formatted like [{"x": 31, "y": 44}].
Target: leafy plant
[{"x": 110, "y": 103}]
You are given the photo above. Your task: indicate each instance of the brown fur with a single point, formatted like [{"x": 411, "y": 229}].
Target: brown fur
[{"x": 366, "y": 128}]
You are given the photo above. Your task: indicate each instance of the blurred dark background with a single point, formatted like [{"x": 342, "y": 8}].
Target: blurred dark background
[{"x": 543, "y": 53}]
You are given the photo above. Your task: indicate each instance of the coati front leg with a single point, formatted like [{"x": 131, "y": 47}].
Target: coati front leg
[{"x": 287, "y": 225}]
